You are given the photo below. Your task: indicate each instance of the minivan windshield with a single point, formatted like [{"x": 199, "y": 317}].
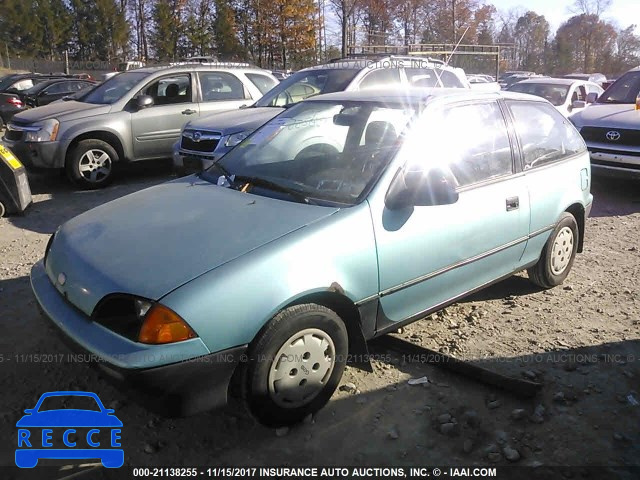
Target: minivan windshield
[
  {"x": 307, "y": 83},
  {"x": 113, "y": 89},
  {"x": 325, "y": 152},
  {"x": 623, "y": 90}
]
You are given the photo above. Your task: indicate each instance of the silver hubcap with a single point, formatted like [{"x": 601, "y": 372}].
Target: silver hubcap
[
  {"x": 95, "y": 165},
  {"x": 301, "y": 368},
  {"x": 562, "y": 250}
]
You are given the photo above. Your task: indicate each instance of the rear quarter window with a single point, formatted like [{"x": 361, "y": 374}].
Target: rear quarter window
[
  {"x": 545, "y": 135},
  {"x": 262, "y": 82}
]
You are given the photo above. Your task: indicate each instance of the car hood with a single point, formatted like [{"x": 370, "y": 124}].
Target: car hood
[
  {"x": 235, "y": 121},
  {"x": 153, "y": 241},
  {"x": 604, "y": 115},
  {"x": 69, "y": 110},
  {"x": 69, "y": 418}
]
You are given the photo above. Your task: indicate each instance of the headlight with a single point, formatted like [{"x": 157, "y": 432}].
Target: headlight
[
  {"x": 47, "y": 131},
  {"x": 236, "y": 138}
]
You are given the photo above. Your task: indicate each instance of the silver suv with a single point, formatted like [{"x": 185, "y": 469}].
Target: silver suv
[
  {"x": 136, "y": 115},
  {"x": 611, "y": 128},
  {"x": 205, "y": 140}
]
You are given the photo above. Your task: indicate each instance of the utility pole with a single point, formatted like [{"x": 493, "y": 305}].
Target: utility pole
[
  {"x": 66, "y": 62},
  {"x": 6, "y": 47}
]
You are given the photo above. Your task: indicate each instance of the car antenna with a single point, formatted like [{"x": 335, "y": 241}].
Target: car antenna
[{"x": 446, "y": 63}]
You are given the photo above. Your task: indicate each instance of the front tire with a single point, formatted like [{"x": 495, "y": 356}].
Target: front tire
[
  {"x": 91, "y": 163},
  {"x": 295, "y": 364},
  {"x": 558, "y": 254}
]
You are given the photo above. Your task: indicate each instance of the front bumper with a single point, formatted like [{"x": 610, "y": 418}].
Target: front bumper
[
  {"x": 176, "y": 379},
  {"x": 37, "y": 154},
  {"x": 615, "y": 163},
  {"x": 186, "y": 162}
]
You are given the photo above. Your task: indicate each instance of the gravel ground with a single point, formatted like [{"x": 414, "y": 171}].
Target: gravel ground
[{"x": 580, "y": 340}]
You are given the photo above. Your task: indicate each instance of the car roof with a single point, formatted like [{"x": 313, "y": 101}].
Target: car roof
[
  {"x": 192, "y": 67},
  {"x": 418, "y": 95},
  {"x": 360, "y": 63}
]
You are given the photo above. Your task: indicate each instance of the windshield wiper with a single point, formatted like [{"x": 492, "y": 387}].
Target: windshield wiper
[
  {"x": 263, "y": 182},
  {"x": 225, "y": 173}
]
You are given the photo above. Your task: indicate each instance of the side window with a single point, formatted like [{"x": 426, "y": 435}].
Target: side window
[
  {"x": 218, "y": 86},
  {"x": 22, "y": 85},
  {"x": 422, "y": 77},
  {"x": 474, "y": 143},
  {"x": 432, "y": 77},
  {"x": 545, "y": 135},
  {"x": 170, "y": 90},
  {"x": 381, "y": 78},
  {"x": 60, "y": 87},
  {"x": 262, "y": 82}
]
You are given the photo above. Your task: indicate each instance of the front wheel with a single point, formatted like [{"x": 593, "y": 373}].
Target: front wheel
[
  {"x": 295, "y": 364},
  {"x": 91, "y": 163},
  {"x": 558, "y": 254}
]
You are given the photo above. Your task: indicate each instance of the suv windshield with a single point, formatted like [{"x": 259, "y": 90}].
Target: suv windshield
[
  {"x": 623, "y": 90},
  {"x": 304, "y": 84},
  {"x": 320, "y": 152},
  {"x": 113, "y": 89}
]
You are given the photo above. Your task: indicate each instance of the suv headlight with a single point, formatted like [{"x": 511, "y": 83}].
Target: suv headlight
[
  {"x": 236, "y": 138},
  {"x": 47, "y": 131}
]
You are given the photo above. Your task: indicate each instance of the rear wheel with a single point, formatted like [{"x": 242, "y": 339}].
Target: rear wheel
[
  {"x": 295, "y": 364},
  {"x": 558, "y": 254},
  {"x": 91, "y": 163}
]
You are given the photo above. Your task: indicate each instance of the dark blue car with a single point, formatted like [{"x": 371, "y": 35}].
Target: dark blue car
[{"x": 42, "y": 421}]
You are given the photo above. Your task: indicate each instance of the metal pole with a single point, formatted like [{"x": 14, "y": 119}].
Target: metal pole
[
  {"x": 8, "y": 59},
  {"x": 66, "y": 62}
]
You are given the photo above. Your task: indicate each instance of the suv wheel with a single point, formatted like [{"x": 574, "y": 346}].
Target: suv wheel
[
  {"x": 295, "y": 364},
  {"x": 90, "y": 164}
]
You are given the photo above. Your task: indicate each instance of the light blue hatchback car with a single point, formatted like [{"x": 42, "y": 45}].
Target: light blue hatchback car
[{"x": 345, "y": 217}]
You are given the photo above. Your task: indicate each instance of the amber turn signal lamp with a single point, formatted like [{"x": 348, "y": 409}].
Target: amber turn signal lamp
[{"x": 162, "y": 325}]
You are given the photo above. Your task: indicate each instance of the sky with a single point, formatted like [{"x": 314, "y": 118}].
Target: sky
[{"x": 621, "y": 12}]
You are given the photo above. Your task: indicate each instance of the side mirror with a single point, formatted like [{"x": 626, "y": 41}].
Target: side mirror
[
  {"x": 28, "y": 411},
  {"x": 578, "y": 104},
  {"x": 592, "y": 97},
  {"x": 109, "y": 411},
  {"x": 144, "y": 101},
  {"x": 411, "y": 188}
]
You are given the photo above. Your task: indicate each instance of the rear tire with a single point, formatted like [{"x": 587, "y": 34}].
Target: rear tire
[
  {"x": 90, "y": 164},
  {"x": 295, "y": 364},
  {"x": 557, "y": 255},
  {"x": 3, "y": 210}
]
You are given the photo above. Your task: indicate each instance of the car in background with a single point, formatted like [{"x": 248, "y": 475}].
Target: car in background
[
  {"x": 484, "y": 83},
  {"x": 222, "y": 131},
  {"x": 506, "y": 82},
  {"x": 267, "y": 271},
  {"x": 11, "y": 86},
  {"x": 567, "y": 95},
  {"x": 123, "y": 67},
  {"x": 43, "y": 93},
  {"x": 598, "y": 78},
  {"x": 611, "y": 128},
  {"x": 281, "y": 74},
  {"x": 136, "y": 115},
  {"x": 505, "y": 79}
]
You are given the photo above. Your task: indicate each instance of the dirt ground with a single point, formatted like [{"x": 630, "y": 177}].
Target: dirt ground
[{"x": 580, "y": 340}]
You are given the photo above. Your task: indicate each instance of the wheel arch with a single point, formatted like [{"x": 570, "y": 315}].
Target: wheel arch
[
  {"x": 103, "y": 135},
  {"x": 578, "y": 212}
]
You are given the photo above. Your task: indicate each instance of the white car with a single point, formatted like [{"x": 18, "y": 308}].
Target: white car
[{"x": 567, "y": 95}]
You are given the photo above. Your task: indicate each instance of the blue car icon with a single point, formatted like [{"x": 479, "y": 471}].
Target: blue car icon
[{"x": 36, "y": 432}]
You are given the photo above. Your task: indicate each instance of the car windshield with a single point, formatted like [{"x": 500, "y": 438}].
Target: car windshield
[
  {"x": 324, "y": 152},
  {"x": 65, "y": 402},
  {"x": 304, "y": 84},
  {"x": 113, "y": 89},
  {"x": 556, "y": 94},
  {"x": 623, "y": 90}
]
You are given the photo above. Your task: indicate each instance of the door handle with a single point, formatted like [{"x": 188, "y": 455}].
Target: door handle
[
  {"x": 513, "y": 203},
  {"x": 188, "y": 111}
]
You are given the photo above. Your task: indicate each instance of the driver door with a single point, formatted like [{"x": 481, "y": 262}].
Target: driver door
[{"x": 156, "y": 128}]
